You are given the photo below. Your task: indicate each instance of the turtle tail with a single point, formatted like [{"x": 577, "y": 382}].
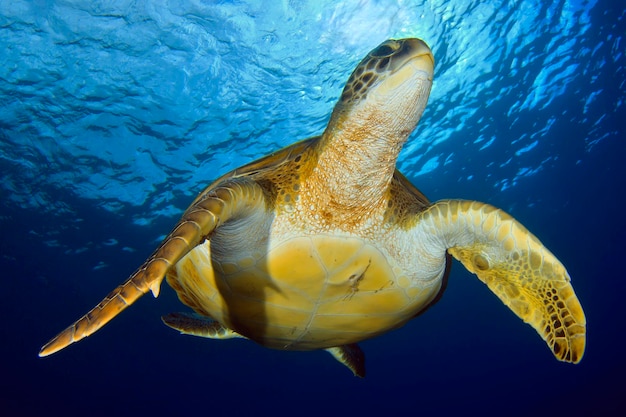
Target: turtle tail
[
  {"x": 208, "y": 211},
  {"x": 516, "y": 267}
]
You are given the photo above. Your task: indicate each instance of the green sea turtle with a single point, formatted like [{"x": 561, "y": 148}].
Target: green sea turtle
[{"x": 324, "y": 243}]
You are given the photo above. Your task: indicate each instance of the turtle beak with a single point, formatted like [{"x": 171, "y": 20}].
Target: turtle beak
[
  {"x": 418, "y": 55},
  {"x": 412, "y": 60}
]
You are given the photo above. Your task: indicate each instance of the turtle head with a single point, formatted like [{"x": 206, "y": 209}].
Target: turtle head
[{"x": 388, "y": 89}]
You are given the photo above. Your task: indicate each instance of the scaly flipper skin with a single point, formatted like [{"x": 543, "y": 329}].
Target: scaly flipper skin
[
  {"x": 351, "y": 356},
  {"x": 516, "y": 266},
  {"x": 211, "y": 209},
  {"x": 196, "y": 325}
]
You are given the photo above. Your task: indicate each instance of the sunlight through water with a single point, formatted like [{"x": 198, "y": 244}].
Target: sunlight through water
[{"x": 138, "y": 105}]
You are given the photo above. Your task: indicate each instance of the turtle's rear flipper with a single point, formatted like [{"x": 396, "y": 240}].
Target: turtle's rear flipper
[
  {"x": 196, "y": 325},
  {"x": 212, "y": 208},
  {"x": 351, "y": 356},
  {"x": 193, "y": 324}
]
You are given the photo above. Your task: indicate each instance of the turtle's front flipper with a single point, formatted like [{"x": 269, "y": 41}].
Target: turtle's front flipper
[
  {"x": 351, "y": 356},
  {"x": 516, "y": 266},
  {"x": 234, "y": 198}
]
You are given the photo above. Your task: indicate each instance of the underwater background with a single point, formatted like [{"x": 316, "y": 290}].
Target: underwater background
[{"x": 114, "y": 115}]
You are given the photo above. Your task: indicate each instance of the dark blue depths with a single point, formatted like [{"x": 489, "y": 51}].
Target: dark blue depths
[{"x": 98, "y": 158}]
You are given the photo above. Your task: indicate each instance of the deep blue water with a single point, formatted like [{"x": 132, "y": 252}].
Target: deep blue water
[{"x": 113, "y": 117}]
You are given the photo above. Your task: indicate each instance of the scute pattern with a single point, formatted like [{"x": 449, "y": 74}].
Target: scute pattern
[
  {"x": 373, "y": 67},
  {"x": 329, "y": 297}
]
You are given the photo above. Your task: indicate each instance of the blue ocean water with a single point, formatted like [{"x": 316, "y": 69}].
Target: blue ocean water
[{"x": 114, "y": 115}]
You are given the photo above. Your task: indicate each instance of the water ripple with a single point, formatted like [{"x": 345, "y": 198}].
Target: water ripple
[{"x": 129, "y": 104}]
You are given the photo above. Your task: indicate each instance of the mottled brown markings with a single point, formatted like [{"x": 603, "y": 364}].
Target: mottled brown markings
[
  {"x": 385, "y": 49},
  {"x": 326, "y": 216},
  {"x": 382, "y": 64},
  {"x": 271, "y": 192},
  {"x": 366, "y": 73},
  {"x": 404, "y": 201}
]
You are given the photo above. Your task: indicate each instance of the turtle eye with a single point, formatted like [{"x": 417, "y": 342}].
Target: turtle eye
[{"x": 383, "y": 50}]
